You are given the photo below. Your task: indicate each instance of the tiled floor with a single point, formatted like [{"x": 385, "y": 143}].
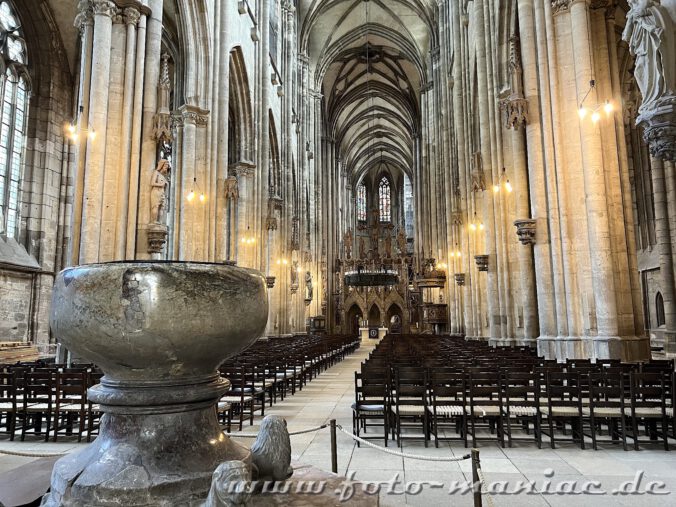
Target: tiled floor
[{"x": 552, "y": 472}]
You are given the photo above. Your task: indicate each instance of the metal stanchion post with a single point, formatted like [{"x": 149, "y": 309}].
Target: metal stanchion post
[
  {"x": 334, "y": 449},
  {"x": 476, "y": 483}
]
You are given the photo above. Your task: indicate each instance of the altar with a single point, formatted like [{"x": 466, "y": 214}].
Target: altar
[{"x": 372, "y": 334}]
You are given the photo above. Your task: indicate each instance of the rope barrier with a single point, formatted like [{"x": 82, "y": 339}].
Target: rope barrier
[
  {"x": 482, "y": 481},
  {"x": 401, "y": 454},
  {"x": 31, "y": 454},
  {"x": 291, "y": 433}
]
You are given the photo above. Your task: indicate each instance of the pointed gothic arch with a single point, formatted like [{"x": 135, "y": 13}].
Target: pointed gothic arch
[{"x": 240, "y": 116}]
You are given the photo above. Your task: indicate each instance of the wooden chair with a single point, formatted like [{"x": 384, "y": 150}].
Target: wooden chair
[
  {"x": 70, "y": 402},
  {"x": 37, "y": 403},
  {"x": 409, "y": 404},
  {"x": 371, "y": 403},
  {"x": 564, "y": 405},
  {"x": 521, "y": 391},
  {"x": 648, "y": 404},
  {"x": 240, "y": 399},
  {"x": 485, "y": 404},
  {"x": 8, "y": 401},
  {"x": 448, "y": 404},
  {"x": 606, "y": 404}
]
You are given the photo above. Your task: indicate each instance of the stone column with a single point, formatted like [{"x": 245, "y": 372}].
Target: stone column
[
  {"x": 536, "y": 177},
  {"x": 104, "y": 10},
  {"x": 132, "y": 17},
  {"x": 515, "y": 109},
  {"x": 148, "y": 146},
  {"x": 85, "y": 22},
  {"x": 223, "y": 232},
  {"x": 263, "y": 128},
  {"x": 665, "y": 248},
  {"x": 492, "y": 284}
]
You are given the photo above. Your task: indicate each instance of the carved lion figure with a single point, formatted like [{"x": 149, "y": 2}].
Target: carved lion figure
[
  {"x": 271, "y": 451},
  {"x": 230, "y": 485}
]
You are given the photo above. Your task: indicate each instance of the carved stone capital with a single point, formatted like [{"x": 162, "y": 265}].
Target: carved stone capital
[
  {"x": 157, "y": 237},
  {"x": 481, "y": 262},
  {"x": 560, "y": 6},
  {"x": 85, "y": 15},
  {"x": 194, "y": 115},
  {"x": 131, "y": 16},
  {"x": 525, "y": 230},
  {"x": 104, "y": 8},
  {"x": 515, "y": 111},
  {"x": 659, "y": 131},
  {"x": 460, "y": 279},
  {"x": 242, "y": 169}
]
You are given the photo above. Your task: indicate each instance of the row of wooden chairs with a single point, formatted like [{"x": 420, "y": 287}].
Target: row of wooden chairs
[
  {"x": 276, "y": 368},
  {"x": 408, "y": 383},
  {"x": 50, "y": 400},
  {"x": 44, "y": 401}
]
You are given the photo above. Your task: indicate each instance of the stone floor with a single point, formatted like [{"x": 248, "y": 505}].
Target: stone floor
[{"x": 566, "y": 468}]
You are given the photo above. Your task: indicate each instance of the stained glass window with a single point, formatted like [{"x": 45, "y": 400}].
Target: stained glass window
[
  {"x": 361, "y": 202},
  {"x": 385, "y": 196},
  {"x": 13, "y": 117}
]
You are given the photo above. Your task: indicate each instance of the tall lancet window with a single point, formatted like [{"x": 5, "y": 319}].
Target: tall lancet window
[
  {"x": 14, "y": 89},
  {"x": 361, "y": 202},
  {"x": 385, "y": 196}
]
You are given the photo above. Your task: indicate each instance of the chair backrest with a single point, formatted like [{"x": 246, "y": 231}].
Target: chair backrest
[
  {"x": 38, "y": 387},
  {"x": 71, "y": 387},
  {"x": 484, "y": 387},
  {"x": 520, "y": 387},
  {"x": 8, "y": 388},
  {"x": 648, "y": 390},
  {"x": 446, "y": 386},
  {"x": 607, "y": 390},
  {"x": 564, "y": 388}
]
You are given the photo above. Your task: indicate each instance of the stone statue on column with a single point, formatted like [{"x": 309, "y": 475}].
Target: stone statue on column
[
  {"x": 158, "y": 192},
  {"x": 362, "y": 248},
  {"x": 309, "y": 290},
  {"x": 348, "y": 244},
  {"x": 157, "y": 228},
  {"x": 401, "y": 242},
  {"x": 650, "y": 32}
]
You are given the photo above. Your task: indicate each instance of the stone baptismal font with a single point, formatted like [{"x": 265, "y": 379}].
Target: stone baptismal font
[{"x": 159, "y": 331}]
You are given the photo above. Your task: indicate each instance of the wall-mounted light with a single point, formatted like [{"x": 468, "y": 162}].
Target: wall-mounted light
[
  {"x": 194, "y": 193},
  {"x": 608, "y": 107}
]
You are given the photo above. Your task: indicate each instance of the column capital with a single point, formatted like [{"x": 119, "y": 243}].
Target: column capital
[
  {"x": 561, "y": 6},
  {"x": 515, "y": 110},
  {"x": 104, "y": 8},
  {"x": 131, "y": 16},
  {"x": 194, "y": 115},
  {"x": 85, "y": 15}
]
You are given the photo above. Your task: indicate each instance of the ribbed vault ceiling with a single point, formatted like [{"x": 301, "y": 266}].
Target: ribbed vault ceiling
[{"x": 369, "y": 58}]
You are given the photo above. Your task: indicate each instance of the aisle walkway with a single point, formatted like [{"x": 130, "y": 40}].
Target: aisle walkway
[{"x": 331, "y": 395}]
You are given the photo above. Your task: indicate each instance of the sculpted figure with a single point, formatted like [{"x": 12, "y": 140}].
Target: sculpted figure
[
  {"x": 362, "y": 248},
  {"x": 294, "y": 273},
  {"x": 388, "y": 246},
  {"x": 401, "y": 242},
  {"x": 231, "y": 188},
  {"x": 271, "y": 452},
  {"x": 230, "y": 485},
  {"x": 308, "y": 285},
  {"x": 650, "y": 34},
  {"x": 158, "y": 193},
  {"x": 348, "y": 244}
]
